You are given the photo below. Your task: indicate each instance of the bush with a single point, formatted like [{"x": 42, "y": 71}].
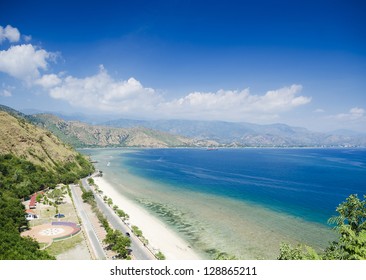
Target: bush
[
  {"x": 88, "y": 196},
  {"x": 160, "y": 256},
  {"x": 136, "y": 231},
  {"x": 91, "y": 181}
]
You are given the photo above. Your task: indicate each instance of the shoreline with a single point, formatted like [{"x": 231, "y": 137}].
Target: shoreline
[{"x": 160, "y": 236}]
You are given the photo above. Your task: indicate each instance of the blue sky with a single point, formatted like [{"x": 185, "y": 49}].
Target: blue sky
[{"x": 297, "y": 62}]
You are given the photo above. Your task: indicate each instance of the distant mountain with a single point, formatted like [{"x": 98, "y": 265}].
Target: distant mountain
[
  {"x": 347, "y": 132},
  {"x": 12, "y": 112},
  {"x": 187, "y": 133},
  {"x": 245, "y": 134},
  {"x": 91, "y": 119},
  {"x": 81, "y": 134}
]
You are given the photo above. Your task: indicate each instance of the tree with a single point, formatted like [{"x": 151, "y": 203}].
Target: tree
[
  {"x": 137, "y": 231},
  {"x": 91, "y": 181},
  {"x": 39, "y": 198},
  {"x": 118, "y": 242},
  {"x": 351, "y": 227},
  {"x": 87, "y": 196},
  {"x": 57, "y": 195},
  {"x": 109, "y": 201},
  {"x": 300, "y": 252},
  {"x": 122, "y": 214},
  {"x": 352, "y": 215}
]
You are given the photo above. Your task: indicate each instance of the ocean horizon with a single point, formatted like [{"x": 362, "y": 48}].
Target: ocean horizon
[{"x": 244, "y": 202}]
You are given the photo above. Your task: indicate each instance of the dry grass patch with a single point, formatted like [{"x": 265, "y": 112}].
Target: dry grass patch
[{"x": 63, "y": 246}]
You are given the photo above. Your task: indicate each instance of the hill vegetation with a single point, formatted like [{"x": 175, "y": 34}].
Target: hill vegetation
[
  {"x": 22, "y": 139},
  {"x": 31, "y": 159}
]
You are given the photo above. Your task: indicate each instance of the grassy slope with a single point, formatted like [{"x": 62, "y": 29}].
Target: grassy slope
[{"x": 22, "y": 139}]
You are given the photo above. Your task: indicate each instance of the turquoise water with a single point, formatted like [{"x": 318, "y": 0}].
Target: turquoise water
[{"x": 241, "y": 201}]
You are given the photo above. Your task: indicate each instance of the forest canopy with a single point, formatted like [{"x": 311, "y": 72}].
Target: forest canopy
[{"x": 19, "y": 179}]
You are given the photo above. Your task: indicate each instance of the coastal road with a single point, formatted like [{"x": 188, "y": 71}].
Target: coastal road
[
  {"x": 139, "y": 251},
  {"x": 87, "y": 225}
]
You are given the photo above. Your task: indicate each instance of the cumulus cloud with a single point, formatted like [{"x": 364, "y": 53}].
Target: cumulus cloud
[
  {"x": 9, "y": 33},
  {"x": 237, "y": 105},
  {"x": 24, "y": 62},
  {"x": 130, "y": 97},
  {"x": 353, "y": 114},
  {"x": 48, "y": 81},
  {"x": 104, "y": 93}
]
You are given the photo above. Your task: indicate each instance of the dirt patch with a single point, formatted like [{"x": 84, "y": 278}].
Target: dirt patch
[{"x": 47, "y": 232}]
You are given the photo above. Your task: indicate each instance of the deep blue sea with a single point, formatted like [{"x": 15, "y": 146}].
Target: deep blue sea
[
  {"x": 309, "y": 183},
  {"x": 241, "y": 201}
]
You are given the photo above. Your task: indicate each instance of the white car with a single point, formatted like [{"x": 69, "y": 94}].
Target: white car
[{"x": 30, "y": 216}]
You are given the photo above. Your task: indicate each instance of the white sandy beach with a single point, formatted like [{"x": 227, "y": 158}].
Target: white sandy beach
[{"x": 159, "y": 235}]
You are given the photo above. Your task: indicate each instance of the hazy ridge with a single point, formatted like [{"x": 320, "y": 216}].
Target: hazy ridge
[
  {"x": 248, "y": 134},
  {"x": 187, "y": 133},
  {"x": 80, "y": 134}
]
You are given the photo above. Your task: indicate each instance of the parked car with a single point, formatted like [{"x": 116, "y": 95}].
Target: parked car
[
  {"x": 59, "y": 215},
  {"x": 128, "y": 234},
  {"x": 30, "y": 216}
]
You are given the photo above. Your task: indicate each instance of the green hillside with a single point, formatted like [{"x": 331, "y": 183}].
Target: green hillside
[{"x": 31, "y": 159}]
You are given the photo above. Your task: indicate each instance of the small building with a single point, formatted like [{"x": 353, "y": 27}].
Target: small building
[{"x": 32, "y": 202}]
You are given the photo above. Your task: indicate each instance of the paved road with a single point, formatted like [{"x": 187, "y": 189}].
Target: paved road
[
  {"x": 87, "y": 225},
  {"x": 139, "y": 251}
]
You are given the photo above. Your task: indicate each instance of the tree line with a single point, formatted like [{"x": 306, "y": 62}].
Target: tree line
[{"x": 19, "y": 179}]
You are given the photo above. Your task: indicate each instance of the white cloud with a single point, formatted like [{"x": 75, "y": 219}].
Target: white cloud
[
  {"x": 9, "y": 33},
  {"x": 237, "y": 105},
  {"x": 48, "y": 81},
  {"x": 27, "y": 38},
  {"x": 354, "y": 119},
  {"x": 24, "y": 62},
  {"x": 5, "y": 93},
  {"x": 104, "y": 93},
  {"x": 353, "y": 114}
]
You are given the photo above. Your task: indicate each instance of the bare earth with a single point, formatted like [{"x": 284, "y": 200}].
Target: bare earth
[{"x": 47, "y": 232}]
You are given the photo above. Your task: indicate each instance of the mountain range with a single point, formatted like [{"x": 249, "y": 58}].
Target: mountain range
[
  {"x": 248, "y": 134},
  {"x": 80, "y": 134},
  {"x": 187, "y": 133}
]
